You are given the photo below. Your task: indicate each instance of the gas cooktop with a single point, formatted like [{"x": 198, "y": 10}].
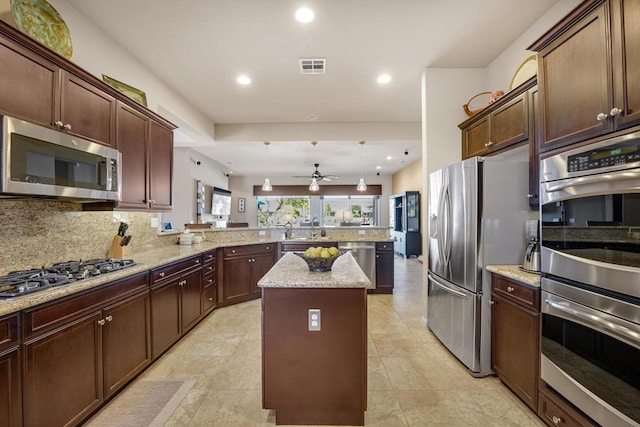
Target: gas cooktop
[{"x": 19, "y": 283}]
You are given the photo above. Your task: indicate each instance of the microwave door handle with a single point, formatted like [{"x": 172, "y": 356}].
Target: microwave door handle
[
  {"x": 105, "y": 176},
  {"x": 586, "y": 180},
  {"x": 608, "y": 325}
]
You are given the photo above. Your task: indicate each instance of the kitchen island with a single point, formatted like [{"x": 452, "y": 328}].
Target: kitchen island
[{"x": 314, "y": 342}]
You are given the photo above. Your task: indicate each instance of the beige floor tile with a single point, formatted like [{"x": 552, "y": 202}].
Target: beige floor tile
[{"x": 377, "y": 378}]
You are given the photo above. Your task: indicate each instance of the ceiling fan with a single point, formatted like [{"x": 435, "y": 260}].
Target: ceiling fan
[{"x": 318, "y": 176}]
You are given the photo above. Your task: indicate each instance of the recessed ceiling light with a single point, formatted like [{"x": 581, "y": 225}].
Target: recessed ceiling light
[
  {"x": 312, "y": 117},
  {"x": 389, "y": 157},
  {"x": 384, "y": 79},
  {"x": 304, "y": 15},
  {"x": 378, "y": 167},
  {"x": 243, "y": 80}
]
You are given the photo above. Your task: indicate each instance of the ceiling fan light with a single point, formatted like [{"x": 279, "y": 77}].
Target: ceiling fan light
[
  {"x": 361, "y": 185},
  {"x": 314, "y": 185},
  {"x": 267, "y": 185}
]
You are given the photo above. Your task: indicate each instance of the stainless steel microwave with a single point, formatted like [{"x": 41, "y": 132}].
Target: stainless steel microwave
[{"x": 40, "y": 162}]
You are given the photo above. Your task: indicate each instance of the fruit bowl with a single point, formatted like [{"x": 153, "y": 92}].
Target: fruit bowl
[{"x": 319, "y": 264}]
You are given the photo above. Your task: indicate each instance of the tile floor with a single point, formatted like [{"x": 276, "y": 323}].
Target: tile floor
[{"x": 413, "y": 380}]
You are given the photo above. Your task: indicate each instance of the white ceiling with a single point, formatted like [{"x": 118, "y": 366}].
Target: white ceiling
[{"x": 198, "y": 47}]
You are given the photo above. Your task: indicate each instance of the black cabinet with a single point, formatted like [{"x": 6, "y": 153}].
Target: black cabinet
[
  {"x": 384, "y": 268},
  {"x": 404, "y": 220}
]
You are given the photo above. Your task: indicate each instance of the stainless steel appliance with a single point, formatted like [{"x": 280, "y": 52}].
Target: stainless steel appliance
[
  {"x": 19, "y": 283},
  {"x": 531, "y": 261},
  {"x": 476, "y": 211},
  {"x": 365, "y": 255},
  {"x": 590, "y": 235},
  {"x": 38, "y": 161}
]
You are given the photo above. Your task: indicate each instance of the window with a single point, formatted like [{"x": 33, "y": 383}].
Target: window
[
  {"x": 278, "y": 210},
  {"x": 349, "y": 210}
]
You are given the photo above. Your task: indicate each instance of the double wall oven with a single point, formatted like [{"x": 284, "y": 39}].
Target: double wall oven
[{"x": 590, "y": 266}]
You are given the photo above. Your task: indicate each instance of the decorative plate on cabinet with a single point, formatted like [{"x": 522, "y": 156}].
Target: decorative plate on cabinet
[
  {"x": 525, "y": 71},
  {"x": 42, "y": 22}
]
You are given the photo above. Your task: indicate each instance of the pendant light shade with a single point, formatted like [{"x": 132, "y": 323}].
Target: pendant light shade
[
  {"x": 361, "y": 185},
  {"x": 314, "y": 185},
  {"x": 267, "y": 185}
]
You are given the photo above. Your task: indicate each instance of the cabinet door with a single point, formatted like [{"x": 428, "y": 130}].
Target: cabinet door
[
  {"x": 384, "y": 272},
  {"x": 514, "y": 348},
  {"x": 510, "y": 123},
  {"x": 86, "y": 111},
  {"x": 626, "y": 60},
  {"x": 574, "y": 81},
  {"x": 62, "y": 380},
  {"x": 10, "y": 389},
  {"x": 534, "y": 147},
  {"x": 191, "y": 299},
  {"x": 237, "y": 280},
  {"x": 28, "y": 87},
  {"x": 160, "y": 166},
  {"x": 126, "y": 341},
  {"x": 475, "y": 138},
  {"x": 165, "y": 316},
  {"x": 131, "y": 136},
  {"x": 260, "y": 265}
]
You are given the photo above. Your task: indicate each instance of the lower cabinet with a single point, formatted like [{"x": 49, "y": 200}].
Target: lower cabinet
[
  {"x": 384, "y": 268},
  {"x": 515, "y": 337},
  {"x": 242, "y": 268},
  {"x": 10, "y": 377},
  {"x": 176, "y": 302},
  {"x": 79, "y": 350},
  {"x": 556, "y": 411},
  {"x": 209, "y": 282}
]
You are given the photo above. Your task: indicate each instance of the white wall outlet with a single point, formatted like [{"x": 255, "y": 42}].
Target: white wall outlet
[
  {"x": 154, "y": 222},
  {"x": 314, "y": 319},
  {"x": 362, "y": 232}
]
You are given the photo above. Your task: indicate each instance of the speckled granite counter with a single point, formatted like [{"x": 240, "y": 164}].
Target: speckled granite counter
[
  {"x": 516, "y": 273},
  {"x": 292, "y": 272}
]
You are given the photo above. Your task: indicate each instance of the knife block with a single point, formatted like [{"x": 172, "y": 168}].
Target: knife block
[{"x": 117, "y": 251}]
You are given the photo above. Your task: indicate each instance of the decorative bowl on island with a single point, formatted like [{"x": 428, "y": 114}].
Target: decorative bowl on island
[{"x": 320, "y": 263}]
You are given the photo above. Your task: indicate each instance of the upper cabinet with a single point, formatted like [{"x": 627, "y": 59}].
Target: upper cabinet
[
  {"x": 588, "y": 73},
  {"x": 499, "y": 126},
  {"x": 41, "y": 92}
]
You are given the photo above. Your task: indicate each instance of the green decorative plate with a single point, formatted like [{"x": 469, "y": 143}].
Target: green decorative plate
[{"x": 42, "y": 22}]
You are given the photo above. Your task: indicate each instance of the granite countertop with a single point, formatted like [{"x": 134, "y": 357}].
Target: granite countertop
[
  {"x": 292, "y": 272},
  {"x": 516, "y": 273}
]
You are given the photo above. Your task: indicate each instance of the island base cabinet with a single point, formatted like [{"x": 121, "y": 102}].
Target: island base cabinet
[
  {"x": 315, "y": 377},
  {"x": 63, "y": 374},
  {"x": 10, "y": 390}
]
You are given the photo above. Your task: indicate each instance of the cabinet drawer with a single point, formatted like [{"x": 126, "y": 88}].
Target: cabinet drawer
[
  {"x": 9, "y": 331},
  {"x": 209, "y": 269},
  {"x": 517, "y": 292},
  {"x": 234, "y": 251},
  {"x": 384, "y": 246},
  {"x": 175, "y": 269},
  {"x": 209, "y": 281},
  {"x": 57, "y": 313},
  {"x": 554, "y": 412},
  {"x": 209, "y": 257},
  {"x": 209, "y": 298}
]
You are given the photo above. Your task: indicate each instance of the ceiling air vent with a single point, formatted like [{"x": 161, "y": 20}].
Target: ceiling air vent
[{"x": 313, "y": 65}]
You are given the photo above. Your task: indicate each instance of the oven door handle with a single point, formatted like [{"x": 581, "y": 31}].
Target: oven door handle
[
  {"x": 594, "y": 319},
  {"x": 586, "y": 180}
]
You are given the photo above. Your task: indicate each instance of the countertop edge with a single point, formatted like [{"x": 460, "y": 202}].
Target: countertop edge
[{"x": 515, "y": 272}]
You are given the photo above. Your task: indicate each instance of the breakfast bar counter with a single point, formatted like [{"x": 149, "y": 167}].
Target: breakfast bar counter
[{"x": 314, "y": 342}]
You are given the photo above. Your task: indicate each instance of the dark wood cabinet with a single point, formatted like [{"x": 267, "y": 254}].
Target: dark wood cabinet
[
  {"x": 504, "y": 124},
  {"x": 242, "y": 268},
  {"x": 384, "y": 268},
  {"x": 556, "y": 411},
  {"x": 176, "y": 301},
  {"x": 10, "y": 373},
  {"x": 209, "y": 282},
  {"x": 588, "y": 75},
  {"x": 126, "y": 341},
  {"x": 71, "y": 350},
  {"x": 147, "y": 161},
  {"x": 515, "y": 330}
]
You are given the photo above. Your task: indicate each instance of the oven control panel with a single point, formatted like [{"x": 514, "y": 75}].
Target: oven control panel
[{"x": 604, "y": 157}]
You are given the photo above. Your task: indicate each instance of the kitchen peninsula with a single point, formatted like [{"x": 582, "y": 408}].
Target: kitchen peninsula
[{"x": 314, "y": 342}]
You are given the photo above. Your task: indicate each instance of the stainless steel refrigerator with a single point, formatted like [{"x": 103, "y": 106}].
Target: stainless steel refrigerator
[{"x": 477, "y": 213}]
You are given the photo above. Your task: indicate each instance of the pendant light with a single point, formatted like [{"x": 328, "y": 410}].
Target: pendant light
[
  {"x": 361, "y": 185},
  {"x": 314, "y": 182},
  {"x": 267, "y": 185}
]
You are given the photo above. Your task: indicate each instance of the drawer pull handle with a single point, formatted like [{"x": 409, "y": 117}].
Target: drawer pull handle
[
  {"x": 109, "y": 318},
  {"x": 101, "y": 322},
  {"x": 67, "y": 126},
  {"x": 233, "y": 251},
  {"x": 601, "y": 116},
  {"x": 615, "y": 111},
  {"x": 211, "y": 299},
  {"x": 510, "y": 289},
  {"x": 58, "y": 123},
  {"x": 197, "y": 261},
  {"x": 161, "y": 274},
  {"x": 557, "y": 420},
  {"x": 492, "y": 302},
  {"x": 210, "y": 281},
  {"x": 210, "y": 268}
]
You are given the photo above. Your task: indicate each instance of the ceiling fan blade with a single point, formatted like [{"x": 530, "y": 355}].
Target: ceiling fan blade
[
  {"x": 333, "y": 176},
  {"x": 326, "y": 178}
]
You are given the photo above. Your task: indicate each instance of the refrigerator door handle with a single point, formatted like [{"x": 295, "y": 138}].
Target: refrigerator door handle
[
  {"x": 439, "y": 218},
  {"x": 446, "y": 203},
  {"x": 447, "y": 288}
]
